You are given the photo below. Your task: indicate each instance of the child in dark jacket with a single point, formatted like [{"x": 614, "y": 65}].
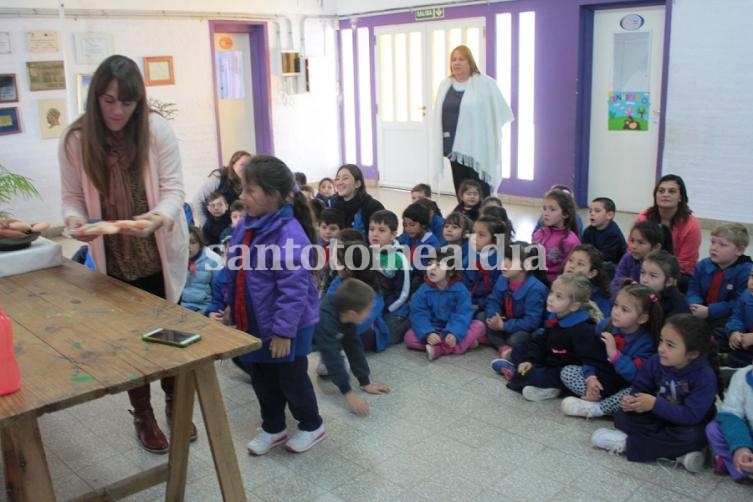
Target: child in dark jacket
[
  {"x": 630, "y": 339},
  {"x": 339, "y": 314},
  {"x": 660, "y": 272},
  {"x": 672, "y": 399},
  {"x": 570, "y": 339},
  {"x": 469, "y": 199},
  {"x": 719, "y": 280},
  {"x": 395, "y": 269},
  {"x": 441, "y": 315},
  {"x": 218, "y": 218},
  {"x": 515, "y": 308},
  {"x": 416, "y": 240},
  {"x": 603, "y": 232}
]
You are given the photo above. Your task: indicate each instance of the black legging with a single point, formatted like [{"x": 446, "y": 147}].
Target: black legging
[{"x": 461, "y": 173}]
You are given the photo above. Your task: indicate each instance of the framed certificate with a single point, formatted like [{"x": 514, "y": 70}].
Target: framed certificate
[
  {"x": 158, "y": 70},
  {"x": 8, "y": 88}
]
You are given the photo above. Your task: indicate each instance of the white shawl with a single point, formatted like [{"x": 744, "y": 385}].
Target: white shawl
[{"x": 478, "y": 137}]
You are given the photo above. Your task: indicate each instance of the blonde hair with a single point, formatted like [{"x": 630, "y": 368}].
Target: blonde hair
[
  {"x": 734, "y": 232},
  {"x": 578, "y": 287}
]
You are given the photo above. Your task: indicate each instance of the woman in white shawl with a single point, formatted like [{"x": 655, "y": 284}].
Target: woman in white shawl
[{"x": 468, "y": 117}]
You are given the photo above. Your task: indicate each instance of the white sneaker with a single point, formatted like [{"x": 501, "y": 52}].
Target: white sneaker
[
  {"x": 577, "y": 407},
  {"x": 609, "y": 439},
  {"x": 264, "y": 441},
  {"x": 538, "y": 394},
  {"x": 304, "y": 440},
  {"x": 431, "y": 352},
  {"x": 693, "y": 461}
]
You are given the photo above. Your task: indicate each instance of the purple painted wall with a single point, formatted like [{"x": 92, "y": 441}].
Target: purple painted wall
[{"x": 556, "y": 93}]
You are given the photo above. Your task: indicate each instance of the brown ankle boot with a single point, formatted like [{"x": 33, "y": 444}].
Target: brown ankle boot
[
  {"x": 169, "y": 417},
  {"x": 147, "y": 431}
]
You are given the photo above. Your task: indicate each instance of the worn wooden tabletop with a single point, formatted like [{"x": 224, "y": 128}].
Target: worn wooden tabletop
[{"x": 77, "y": 335}]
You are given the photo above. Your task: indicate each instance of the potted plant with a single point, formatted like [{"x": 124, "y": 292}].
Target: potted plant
[
  {"x": 13, "y": 185},
  {"x": 16, "y": 234}
]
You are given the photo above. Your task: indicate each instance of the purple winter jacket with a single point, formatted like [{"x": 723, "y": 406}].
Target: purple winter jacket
[{"x": 279, "y": 302}]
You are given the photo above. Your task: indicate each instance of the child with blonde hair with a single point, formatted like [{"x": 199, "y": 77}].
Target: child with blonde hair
[{"x": 569, "y": 340}]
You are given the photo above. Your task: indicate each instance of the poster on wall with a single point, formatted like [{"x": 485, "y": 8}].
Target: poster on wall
[
  {"x": 628, "y": 110},
  {"x": 230, "y": 74},
  {"x": 5, "y": 47},
  {"x": 52, "y": 117}
]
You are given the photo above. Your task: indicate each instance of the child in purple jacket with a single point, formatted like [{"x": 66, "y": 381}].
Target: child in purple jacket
[
  {"x": 275, "y": 297},
  {"x": 559, "y": 231}
]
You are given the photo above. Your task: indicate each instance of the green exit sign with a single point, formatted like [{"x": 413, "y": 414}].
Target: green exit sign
[{"x": 435, "y": 13}]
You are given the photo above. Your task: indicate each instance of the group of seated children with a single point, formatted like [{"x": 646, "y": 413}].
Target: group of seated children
[{"x": 603, "y": 322}]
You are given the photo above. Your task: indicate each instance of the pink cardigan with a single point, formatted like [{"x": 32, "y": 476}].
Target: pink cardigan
[
  {"x": 686, "y": 241},
  {"x": 164, "y": 193}
]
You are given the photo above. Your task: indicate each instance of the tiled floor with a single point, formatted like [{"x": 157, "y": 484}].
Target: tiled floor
[{"x": 449, "y": 430}]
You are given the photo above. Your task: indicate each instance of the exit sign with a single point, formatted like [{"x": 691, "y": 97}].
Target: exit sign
[{"x": 435, "y": 13}]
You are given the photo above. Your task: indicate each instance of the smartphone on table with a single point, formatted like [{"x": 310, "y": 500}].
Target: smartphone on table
[{"x": 171, "y": 337}]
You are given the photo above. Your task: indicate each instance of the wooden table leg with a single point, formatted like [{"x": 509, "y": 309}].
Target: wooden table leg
[
  {"x": 179, "y": 436},
  {"x": 218, "y": 433},
  {"x": 27, "y": 477}
]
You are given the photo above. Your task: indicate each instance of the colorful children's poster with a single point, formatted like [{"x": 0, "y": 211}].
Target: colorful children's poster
[{"x": 628, "y": 110}]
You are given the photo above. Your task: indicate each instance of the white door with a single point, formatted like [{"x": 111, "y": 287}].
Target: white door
[
  {"x": 628, "y": 48},
  {"x": 411, "y": 60},
  {"x": 235, "y": 105}
]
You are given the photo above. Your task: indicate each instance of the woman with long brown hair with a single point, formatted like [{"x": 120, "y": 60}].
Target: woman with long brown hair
[{"x": 118, "y": 161}]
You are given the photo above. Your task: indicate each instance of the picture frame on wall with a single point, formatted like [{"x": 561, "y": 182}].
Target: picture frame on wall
[
  {"x": 158, "y": 70},
  {"x": 52, "y": 117},
  {"x": 83, "y": 81},
  {"x": 8, "y": 88},
  {"x": 46, "y": 75},
  {"x": 92, "y": 48},
  {"x": 9, "y": 121}
]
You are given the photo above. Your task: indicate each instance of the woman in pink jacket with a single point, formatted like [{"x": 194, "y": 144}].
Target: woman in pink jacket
[
  {"x": 671, "y": 209},
  {"x": 118, "y": 161}
]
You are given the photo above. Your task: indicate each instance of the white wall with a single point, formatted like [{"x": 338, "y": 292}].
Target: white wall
[
  {"x": 709, "y": 139},
  {"x": 304, "y": 125},
  {"x": 255, "y": 6}
]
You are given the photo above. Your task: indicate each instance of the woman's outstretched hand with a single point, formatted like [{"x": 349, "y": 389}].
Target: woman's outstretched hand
[{"x": 155, "y": 220}]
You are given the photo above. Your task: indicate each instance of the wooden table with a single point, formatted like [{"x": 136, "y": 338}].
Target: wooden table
[{"x": 77, "y": 335}]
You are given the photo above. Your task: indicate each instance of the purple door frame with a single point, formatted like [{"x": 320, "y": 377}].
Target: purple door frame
[
  {"x": 257, "y": 33},
  {"x": 560, "y": 67},
  {"x": 585, "y": 72}
]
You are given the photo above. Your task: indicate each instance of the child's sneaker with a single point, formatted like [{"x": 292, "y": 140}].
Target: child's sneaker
[
  {"x": 264, "y": 441},
  {"x": 577, "y": 407},
  {"x": 693, "y": 461},
  {"x": 504, "y": 367},
  {"x": 321, "y": 369},
  {"x": 532, "y": 393},
  {"x": 304, "y": 440},
  {"x": 609, "y": 439},
  {"x": 432, "y": 352},
  {"x": 505, "y": 352}
]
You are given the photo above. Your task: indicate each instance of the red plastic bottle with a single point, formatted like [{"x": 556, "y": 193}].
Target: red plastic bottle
[{"x": 10, "y": 376}]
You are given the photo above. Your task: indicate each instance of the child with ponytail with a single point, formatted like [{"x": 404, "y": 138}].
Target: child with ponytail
[
  {"x": 276, "y": 300},
  {"x": 569, "y": 340},
  {"x": 629, "y": 337}
]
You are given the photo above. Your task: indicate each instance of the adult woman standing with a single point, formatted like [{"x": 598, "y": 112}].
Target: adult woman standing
[
  {"x": 118, "y": 161},
  {"x": 351, "y": 200},
  {"x": 226, "y": 180},
  {"x": 671, "y": 209},
  {"x": 468, "y": 117}
]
